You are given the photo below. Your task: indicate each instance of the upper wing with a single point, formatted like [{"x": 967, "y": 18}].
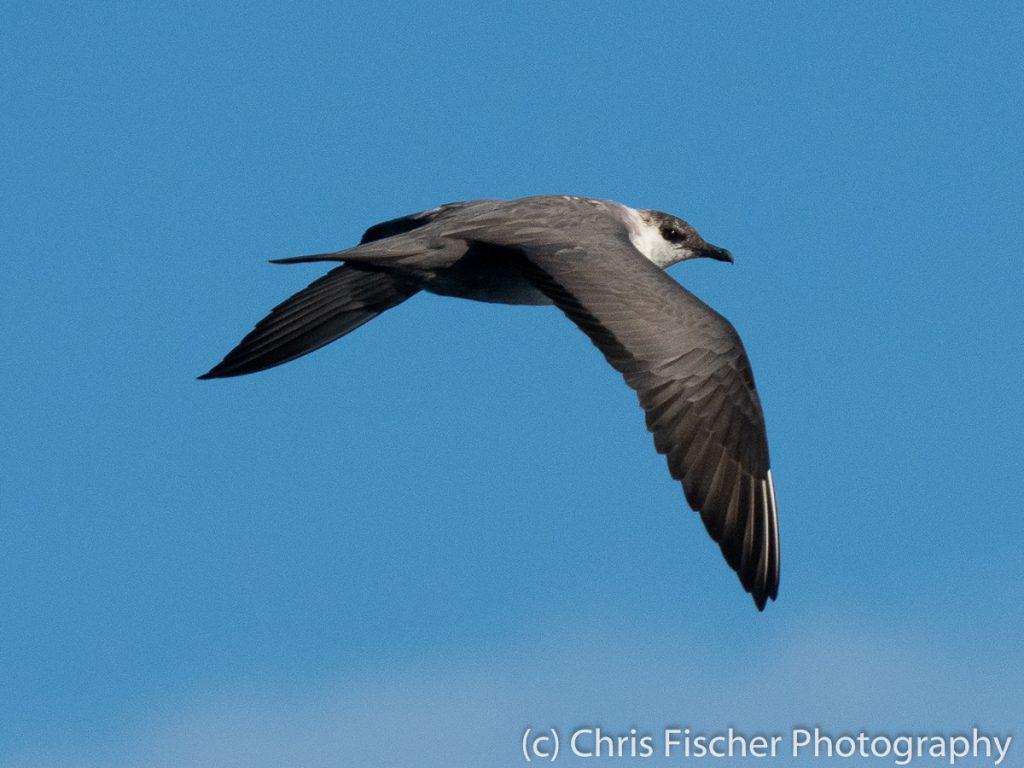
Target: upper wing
[{"x": 694, "y": 382}]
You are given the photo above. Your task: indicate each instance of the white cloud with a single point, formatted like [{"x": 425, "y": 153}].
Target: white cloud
[{"x": 470, "y": 712}]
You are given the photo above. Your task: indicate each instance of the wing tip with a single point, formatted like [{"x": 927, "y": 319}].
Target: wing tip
[
  {"x": 224, "y": 370},
  {"x": 751, "y": 549},
  {"x": 219, "y": 371}
]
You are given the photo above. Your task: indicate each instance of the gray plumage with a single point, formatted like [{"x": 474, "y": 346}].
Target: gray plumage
[{"x": 601, "y": 263}]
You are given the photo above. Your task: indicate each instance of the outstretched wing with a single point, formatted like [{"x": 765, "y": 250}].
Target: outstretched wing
[
  {"x": 694, "y": 382},
  {"x": 331, "y": 306}
]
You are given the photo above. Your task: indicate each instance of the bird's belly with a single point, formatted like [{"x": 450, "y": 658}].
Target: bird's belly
[
  {"x": 513, "y": 290},
  {"x": 484, "y": 278}
]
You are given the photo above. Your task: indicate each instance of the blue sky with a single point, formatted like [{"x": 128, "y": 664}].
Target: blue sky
[{"x": 452, "y": 525}]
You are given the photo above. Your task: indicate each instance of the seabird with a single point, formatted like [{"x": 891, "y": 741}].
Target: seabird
[{"x": 601, "y": 263}]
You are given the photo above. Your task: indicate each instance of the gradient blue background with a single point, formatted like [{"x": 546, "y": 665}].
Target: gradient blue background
[{"x": 452, "y": 525}]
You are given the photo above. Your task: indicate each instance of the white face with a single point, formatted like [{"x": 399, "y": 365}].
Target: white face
[{"x": 646, "y": 236}]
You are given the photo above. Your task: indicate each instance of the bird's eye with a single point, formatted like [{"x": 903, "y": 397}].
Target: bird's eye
[{"x": 673, "y": 235}]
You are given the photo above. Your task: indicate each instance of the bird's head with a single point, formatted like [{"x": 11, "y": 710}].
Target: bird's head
[{"x": 666, "y": 239}]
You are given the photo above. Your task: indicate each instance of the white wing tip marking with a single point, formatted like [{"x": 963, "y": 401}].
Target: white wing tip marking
[{"x": 774, "y": 519}]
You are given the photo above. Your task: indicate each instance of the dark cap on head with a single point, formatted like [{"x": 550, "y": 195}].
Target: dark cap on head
[{"x": 678, "y": 232}]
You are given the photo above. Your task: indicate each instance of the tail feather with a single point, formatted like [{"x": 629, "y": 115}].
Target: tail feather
[
  {"x": 308, "y": 259},
  {"x": 326, "y": 309}
]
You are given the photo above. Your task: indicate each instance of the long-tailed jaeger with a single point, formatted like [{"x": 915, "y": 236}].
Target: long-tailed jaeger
[{"x": 601, "y": 263}]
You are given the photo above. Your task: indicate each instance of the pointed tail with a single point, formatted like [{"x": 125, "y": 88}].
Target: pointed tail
[{"x": 326, "y": 309}]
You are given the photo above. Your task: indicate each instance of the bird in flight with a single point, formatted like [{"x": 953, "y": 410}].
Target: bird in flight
[{"x": 601, "y": 263}]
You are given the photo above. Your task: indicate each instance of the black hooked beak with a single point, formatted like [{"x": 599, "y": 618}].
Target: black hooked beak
[{"x": 714, "y": 252}]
